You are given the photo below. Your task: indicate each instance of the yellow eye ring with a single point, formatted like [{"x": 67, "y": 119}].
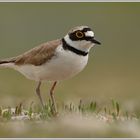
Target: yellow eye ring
[{"x": 79, "y": 34}]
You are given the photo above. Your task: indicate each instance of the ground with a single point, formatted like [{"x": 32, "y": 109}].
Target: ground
[{"x": 73, "y": 120}]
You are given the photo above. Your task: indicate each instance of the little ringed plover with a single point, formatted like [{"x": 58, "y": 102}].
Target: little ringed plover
[{"x": 55, "y": 60}]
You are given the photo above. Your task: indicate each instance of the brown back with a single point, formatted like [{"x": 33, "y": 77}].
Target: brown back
[{"x": 38, "y": 55}]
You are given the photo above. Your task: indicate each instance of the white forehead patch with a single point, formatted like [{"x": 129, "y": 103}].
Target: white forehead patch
[{"x": 89, "y": 34}]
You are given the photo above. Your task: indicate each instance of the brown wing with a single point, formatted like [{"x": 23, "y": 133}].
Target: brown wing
[{"x": 38, "y": 55}]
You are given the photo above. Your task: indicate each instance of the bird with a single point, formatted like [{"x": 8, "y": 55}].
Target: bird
[{"x": 55, "y": 60}]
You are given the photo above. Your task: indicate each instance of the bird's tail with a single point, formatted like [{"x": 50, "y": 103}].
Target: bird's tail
[{"x": 6, "y": 63}]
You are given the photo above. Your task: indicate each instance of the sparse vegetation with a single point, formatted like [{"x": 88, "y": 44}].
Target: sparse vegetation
[
  {"x": 111, "y": 113},
  {"x": 88, "y": 119}
]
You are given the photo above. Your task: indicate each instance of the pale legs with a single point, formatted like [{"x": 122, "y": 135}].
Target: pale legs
[
  {"x": 52, "y": 97},
  {"x": 38, "y": 93},
  {"x": 51, "y": 94}
]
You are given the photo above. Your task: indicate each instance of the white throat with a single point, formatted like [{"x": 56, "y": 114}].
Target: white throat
[{"x": 82, "y": 45}]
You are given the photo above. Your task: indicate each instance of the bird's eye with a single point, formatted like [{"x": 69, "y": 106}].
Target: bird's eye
[{"x": 79, "y": 34}]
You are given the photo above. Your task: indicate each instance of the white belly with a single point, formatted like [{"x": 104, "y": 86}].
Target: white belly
[{"x": 63, "y": 66}]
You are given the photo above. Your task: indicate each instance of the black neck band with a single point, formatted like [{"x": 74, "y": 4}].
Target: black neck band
[{"x": 66, "y": 46}]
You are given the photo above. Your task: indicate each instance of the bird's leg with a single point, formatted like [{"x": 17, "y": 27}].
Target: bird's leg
[
  {"x": 38, "y": 93},
  {"x": 52, "y": 97}
]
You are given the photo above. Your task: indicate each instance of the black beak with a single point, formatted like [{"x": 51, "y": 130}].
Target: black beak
[{"x": 95, "y": 41}]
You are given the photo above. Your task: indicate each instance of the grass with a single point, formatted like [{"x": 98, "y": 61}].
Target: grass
[
  {"x": 84, "y": 119},
  {"x": 113, "y": 111}
]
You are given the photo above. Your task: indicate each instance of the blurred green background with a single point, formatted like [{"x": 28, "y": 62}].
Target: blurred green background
[{"x": 113, "y": 68}]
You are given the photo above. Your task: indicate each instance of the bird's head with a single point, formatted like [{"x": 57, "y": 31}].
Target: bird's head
[{"x": 81, "y": 37}]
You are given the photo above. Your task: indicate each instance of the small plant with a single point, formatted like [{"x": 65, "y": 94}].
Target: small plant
[
  {"x": 47, "y": 111},
  {"x": 30, "y": 110},
  {"x": 116, "y": 109},
  {"x": 18, "y": 109},
  {"x": 93, "y": 106},
  {"x": 81, "y": 106},
  {"x": 7, "y": 114}
]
